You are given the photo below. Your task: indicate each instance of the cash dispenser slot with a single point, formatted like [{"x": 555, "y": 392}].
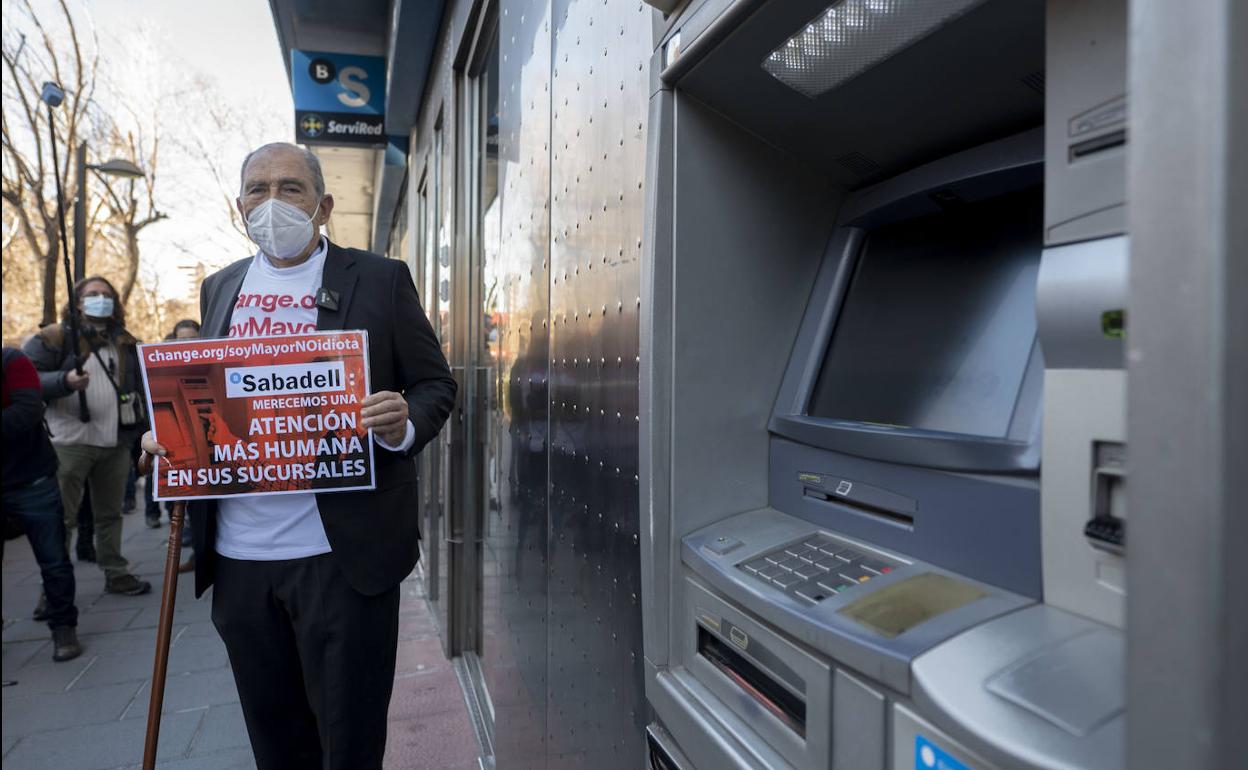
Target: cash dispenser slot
[
  {"x": 1107, "y": 529},
  {"x": 760, "y": 685}
]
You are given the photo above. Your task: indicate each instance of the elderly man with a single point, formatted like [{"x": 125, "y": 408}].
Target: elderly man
[{"x": 306, "y": 592}]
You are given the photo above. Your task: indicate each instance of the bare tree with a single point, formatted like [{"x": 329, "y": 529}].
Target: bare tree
[
  {"x": 118, "y": 210},
  {"x": 132, "y": 202},
  {"x": 28, "y": 172}
]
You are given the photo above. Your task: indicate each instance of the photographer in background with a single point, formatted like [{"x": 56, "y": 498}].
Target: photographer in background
[{"x": 95, "y": 453}]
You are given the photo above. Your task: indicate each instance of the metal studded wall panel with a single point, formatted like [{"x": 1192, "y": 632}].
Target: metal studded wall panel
[
  {"x": 596, "y": 706},
  {"x": 514, "y": 599}
]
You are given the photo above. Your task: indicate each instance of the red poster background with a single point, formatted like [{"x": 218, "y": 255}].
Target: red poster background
[{"x": 208, "y": 433}]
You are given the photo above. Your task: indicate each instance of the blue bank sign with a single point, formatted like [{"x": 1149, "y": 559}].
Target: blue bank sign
[{"x": 339, "y": 98}]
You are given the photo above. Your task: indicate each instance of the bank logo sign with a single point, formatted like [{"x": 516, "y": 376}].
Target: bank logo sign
[
  {"x": 284, "y": 379},
  {"x": 339, "y": 98}
]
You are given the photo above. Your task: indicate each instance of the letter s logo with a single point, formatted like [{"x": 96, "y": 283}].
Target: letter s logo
[{"x": 352, "y": 79}]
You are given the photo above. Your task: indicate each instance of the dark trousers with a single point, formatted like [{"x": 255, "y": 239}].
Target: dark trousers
[
  {"x": 38, "y": 505},
  {"x": 313, "y": 660},
  {"x": 86, "y": 520},
  {"x": 151, "y": 508}
]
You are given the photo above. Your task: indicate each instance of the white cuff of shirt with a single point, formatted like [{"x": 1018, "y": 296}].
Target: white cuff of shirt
[{"x": 409, "y": 438}]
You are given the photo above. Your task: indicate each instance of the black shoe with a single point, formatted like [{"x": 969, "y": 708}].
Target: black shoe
[
  {"x": 65, "y": 644},
  {"x": 153, "y": 523},
  {"x": 41, "y": 609},
  {"x": 127, "y": 585},
  {"x": 130, "y": 507}
]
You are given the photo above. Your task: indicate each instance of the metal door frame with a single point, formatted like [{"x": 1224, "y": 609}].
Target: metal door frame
[
  {"x": 1187, "y": 403},
  {"x": 480, "y": 38}
]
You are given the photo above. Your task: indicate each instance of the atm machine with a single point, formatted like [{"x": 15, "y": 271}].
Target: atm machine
[{"x": 883, "y": 387}]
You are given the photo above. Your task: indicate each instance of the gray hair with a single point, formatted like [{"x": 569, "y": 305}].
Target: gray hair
[{"x": 314, "y": 164}]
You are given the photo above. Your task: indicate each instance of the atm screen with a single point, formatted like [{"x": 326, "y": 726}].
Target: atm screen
[{"x": 938, "y": 323}]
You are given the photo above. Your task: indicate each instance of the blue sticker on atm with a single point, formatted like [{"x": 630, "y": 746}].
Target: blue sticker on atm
[{"x": 929, "y": 756}]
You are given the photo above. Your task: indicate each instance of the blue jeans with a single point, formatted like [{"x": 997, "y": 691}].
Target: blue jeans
[{"x": 38, "y": 505}]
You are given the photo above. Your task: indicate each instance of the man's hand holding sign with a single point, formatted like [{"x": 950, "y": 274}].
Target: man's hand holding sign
[
  {"x": 291, "y": 431},
  {"x": 385, "y": 413}
]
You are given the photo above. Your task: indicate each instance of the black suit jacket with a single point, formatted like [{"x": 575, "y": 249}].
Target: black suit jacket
[{"x": 375, "y": 534}]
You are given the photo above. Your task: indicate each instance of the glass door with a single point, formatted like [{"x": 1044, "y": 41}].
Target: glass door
[
  {"x": 481, "y": 469},
  {"x": 439, "y": 302}
]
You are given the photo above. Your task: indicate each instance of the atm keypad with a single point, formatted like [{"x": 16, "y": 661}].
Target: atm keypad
[
  {"x": 770, "y": 572},
  {"x": 757, "y": 565},
  {"x": 816, "y": 568},
  {"x": 855, "y": 573},
  {"x": 807, "y": 571},
  {"x": 786, "y": 580},
  {"x": 813, "y": 591},
  {"x": 849, "y": 555},
  {"x": 878, "y": 566},
  {"x": 834, "y": 584}
]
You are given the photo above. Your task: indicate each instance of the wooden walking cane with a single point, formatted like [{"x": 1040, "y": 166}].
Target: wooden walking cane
[{"x": 168, "y": 595}]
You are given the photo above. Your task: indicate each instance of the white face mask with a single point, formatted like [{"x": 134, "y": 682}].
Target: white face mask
[
  {"x": 98, "y": 306},
  {"x": 280, "y": 229}
]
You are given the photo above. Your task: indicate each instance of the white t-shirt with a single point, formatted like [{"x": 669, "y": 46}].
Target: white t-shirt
[{"x": 274, "y": 300}]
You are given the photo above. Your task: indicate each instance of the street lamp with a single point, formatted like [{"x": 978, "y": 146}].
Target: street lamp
[
  {"x": 115, "y": 167},
  {"x": 52, "y": 95}
]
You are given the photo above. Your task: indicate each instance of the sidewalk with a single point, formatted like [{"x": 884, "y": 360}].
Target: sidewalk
[{"x": 90, "y": 713}]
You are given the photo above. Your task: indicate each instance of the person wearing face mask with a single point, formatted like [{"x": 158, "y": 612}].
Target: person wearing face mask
[
  {"x": 306, "y": 585},
  {"x": 94, "y": 453}
]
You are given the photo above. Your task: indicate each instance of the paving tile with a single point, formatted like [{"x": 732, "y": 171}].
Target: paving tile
[
  {"x": 420, "y": 655},
  {"x": 223, "y": 728},
  {"x": 433, "y": 741},
  {"x": 234, "y": 759},
  {"x": 95, "y": 747},
  {"x": 188, "y": 691},
  {"x": 98, "y": 722},
  {"x": 424, "y": 694},
  {"x": 114, "y": 668},
  {"x": 198, "y": 654},
  {"x": 17, "y": 654},
  {"x": 25, "y": 630},
  {"x": 41, "y": 675},
  {"x": 417, "y": 627},
  {"x": 184, "y": 613},
  {"x": 38, "y": 712},
  {"x": 19, "y": 601},
  {"x": 135, "y": 640}
]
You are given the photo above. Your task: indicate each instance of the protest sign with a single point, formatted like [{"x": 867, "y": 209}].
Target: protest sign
[{"x": 257, "y": 416}]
